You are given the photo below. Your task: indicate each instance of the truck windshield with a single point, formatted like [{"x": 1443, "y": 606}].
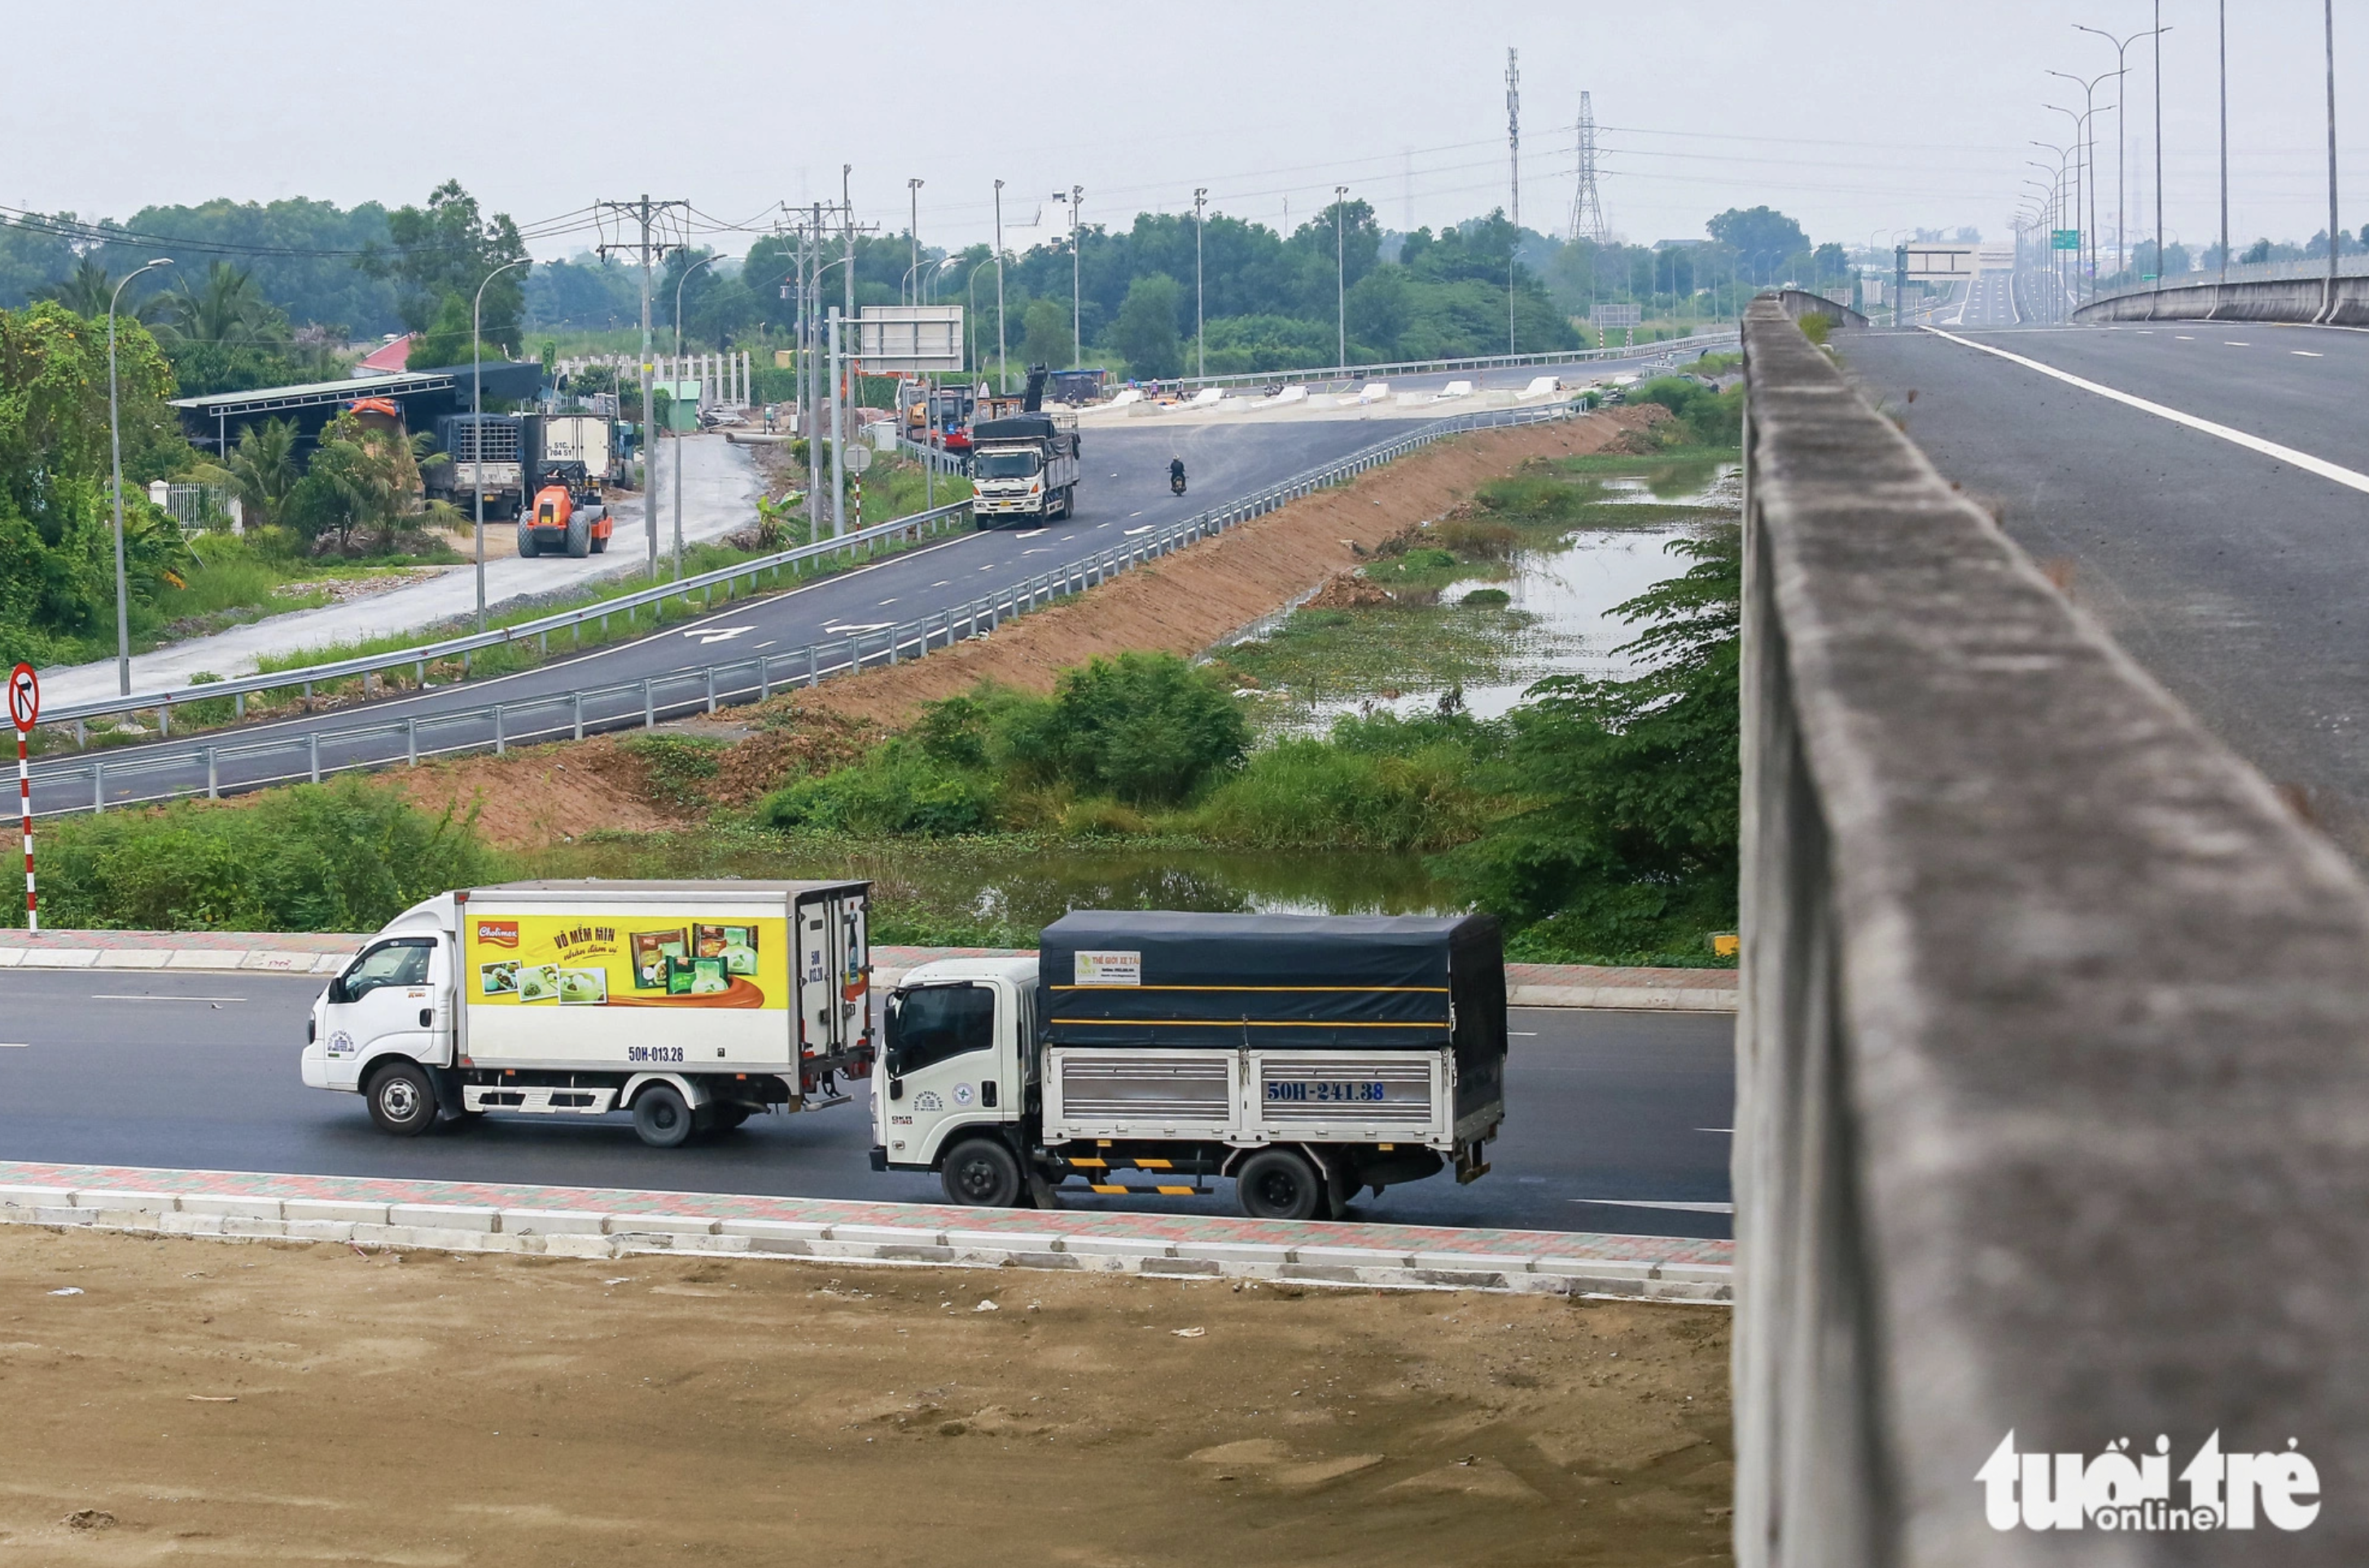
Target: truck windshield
[
  {"x": 1009, "y": 464},
  {"x": 932, "y": 1022}
]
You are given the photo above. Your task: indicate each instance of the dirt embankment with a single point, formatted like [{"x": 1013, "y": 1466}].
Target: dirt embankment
[
  {"x": 549, "y": 794},
  {"x": 248, "y": 1403},
  {"x": 1191, "y": 600}
]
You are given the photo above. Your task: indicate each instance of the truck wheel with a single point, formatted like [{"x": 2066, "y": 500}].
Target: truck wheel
[
  {"x": 982, "y": 1174},
  {"x": 401, "y": 1099},
  {"x": 662, "y": 1117},
  {"x": 1276, "y": 1183},
  {"x": 526, "y": 541},
  {"x": 579, "y": 537}
]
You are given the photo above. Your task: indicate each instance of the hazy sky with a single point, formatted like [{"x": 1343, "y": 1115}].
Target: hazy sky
[{"x": 542, "y": 109}]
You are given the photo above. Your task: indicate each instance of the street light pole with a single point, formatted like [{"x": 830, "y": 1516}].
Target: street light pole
[
  {"x": 2335, "y": 234},
  {"x": 115, "y": 440},
  {"x": 2224, "y": 140},
  {"x": 1002, "y": 375},
  {"x": 2158, "y": 142},
  {"x": 2122, "y": 91},
  {"x": 1077, "y": 272},
  {"x": 1200, "y": 343},
  {"x": 1341, "y": 273},
  {"x": 679, "y": 282},
  {"x": 913, "y": 232},
  {"x": 477, "y": 426}
]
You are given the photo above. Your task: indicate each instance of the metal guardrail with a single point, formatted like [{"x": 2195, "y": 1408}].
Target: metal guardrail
[
  {"x": 197, "y": 769},
  {"x": 2049, "y": 1080},
  {"x": 1318, "y": 379},
  {"x": 418, "y": 658}
]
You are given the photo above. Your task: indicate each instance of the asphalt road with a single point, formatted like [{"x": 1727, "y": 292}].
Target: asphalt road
[
  {"x": 2238, "y": 578},
  {"x": 199, "y": 1072},
  {"x": 1989, "y": 301},
  {"x": 1124, "y": 492}
]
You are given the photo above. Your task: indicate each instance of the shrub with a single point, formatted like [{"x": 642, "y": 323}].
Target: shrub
[
  {"x": 1147, "y": 728},
  {"x": 899, "y": 789},
  {"x": 1312, "y": 793},
  {"x": 344, "y": 856}
]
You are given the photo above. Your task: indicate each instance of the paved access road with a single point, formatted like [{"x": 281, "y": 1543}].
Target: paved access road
[
  {"x": 1989, "y": 302},
  {"x": 1123, "y": 494},
  {"x": 199, "y": 1072},
  {"x": 2238, "y": 577}
]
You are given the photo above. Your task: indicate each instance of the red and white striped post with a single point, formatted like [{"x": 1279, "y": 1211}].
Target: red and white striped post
[{"x": 24, "y": 709}]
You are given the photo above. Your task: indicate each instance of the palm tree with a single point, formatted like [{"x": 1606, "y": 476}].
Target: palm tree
[
  {"x": 230, "y": 309},
  {"x": 262, "y": 468},
  {"x": 89, "y": 287}
]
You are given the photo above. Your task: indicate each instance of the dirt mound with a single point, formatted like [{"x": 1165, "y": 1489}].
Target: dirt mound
[
  {"x": 1189, "y": 600},
  {"x": 1350, "y": 592},
  {"x": 543, "y": 795}
]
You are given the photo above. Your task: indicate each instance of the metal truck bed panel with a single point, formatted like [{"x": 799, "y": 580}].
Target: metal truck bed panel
[{"x": 1251, "y": 1096}]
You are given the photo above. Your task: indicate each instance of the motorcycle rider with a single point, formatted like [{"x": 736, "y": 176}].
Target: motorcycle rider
[{"x": 1176, "y": 473}]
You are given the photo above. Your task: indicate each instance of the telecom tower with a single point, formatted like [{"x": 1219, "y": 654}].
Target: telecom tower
[
  {"x": 1514, "y": 127},
  {"x": 1587, "y": 208}
]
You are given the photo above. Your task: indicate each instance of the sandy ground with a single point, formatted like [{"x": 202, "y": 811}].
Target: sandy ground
[{"x": 201, "y": 1400}]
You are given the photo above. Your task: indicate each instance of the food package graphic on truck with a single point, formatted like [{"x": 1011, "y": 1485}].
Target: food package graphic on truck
[{"x": 691, "y": 1005}]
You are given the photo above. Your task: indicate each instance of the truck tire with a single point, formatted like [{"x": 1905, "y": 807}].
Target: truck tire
[
  {"x": 1278, "y": 1183},
  {"x": 662, "y": 1117},
  {"x": 402, "y": 1100},
  {"x": 579, "y": 537},
  {"x": 525, "y": 541},
  {"x": 982, "y": 1174}
]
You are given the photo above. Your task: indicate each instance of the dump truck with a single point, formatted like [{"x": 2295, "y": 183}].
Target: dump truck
[
  {"x": 688, "y": 1006},
  {"x": 1304, "y": 1057},
  {"x": 485, "y": 453},
  {"x": 561, "y": 524},
  {"x": 1023, "y": 466}
]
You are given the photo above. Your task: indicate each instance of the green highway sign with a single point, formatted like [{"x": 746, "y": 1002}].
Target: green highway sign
[{"x": 2064, "y": 239}]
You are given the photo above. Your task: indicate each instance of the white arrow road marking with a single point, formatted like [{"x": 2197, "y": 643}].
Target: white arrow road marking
[
  {"x": 1649, "y": 1203},
  {"x": 840, "y": 628},
  {"x": 2351, "y": 478},
  {"x": 718, "y": 633}
]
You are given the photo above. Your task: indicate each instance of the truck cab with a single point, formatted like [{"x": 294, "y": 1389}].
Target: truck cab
[{"x": 957, "y": 1068}]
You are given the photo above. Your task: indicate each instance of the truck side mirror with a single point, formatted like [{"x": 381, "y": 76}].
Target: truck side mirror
[{"x": 337, "y": 996}]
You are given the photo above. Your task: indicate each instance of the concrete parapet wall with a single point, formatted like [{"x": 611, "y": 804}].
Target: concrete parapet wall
[
  {"x": 1799, "y": 302},
  {"x": 2287, "y": 298},
  {"x": 2052, "y": 1055}
]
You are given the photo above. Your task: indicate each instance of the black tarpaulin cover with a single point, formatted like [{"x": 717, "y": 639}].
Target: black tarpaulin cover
[{"x": 1270, "y": 981}]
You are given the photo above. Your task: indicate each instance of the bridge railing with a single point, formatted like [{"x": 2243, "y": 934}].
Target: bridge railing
[
  {"x": 2053, "y": 1060},
  {"x": 232, "y": 761}
]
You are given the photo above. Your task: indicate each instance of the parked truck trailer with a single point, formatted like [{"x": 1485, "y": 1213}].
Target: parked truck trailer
[
  {"x": 1303, "y": 1057},
  {"x": 487, "y": 453},
  {"x": 689, "y": 1005}
]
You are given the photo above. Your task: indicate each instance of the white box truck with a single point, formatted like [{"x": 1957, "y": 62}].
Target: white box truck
[
  {"x": 690, "y": 1005},
  {"x": 1303, "y": 1057}
]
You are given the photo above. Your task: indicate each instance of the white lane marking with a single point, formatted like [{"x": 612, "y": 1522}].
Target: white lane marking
[
  {"x": 948, "y": 583},
  {"x": 1650, "y": 1203},
  {"x": 1029, "y": 534},
  {"x": 1728, "y": 1130},
  {"x": 768, "y": 642},
  {"x": 2182, "y": 338},
  {"x": 1133, "y": 515},
  {"x": 841, "y": 628},
  {"x": 110, "y": 996},
  {"x": 14, "y": 1046},
  {"x": 1523, "y": 1034},
  {"x": 2350, "y": 479},
  {"x": 1145, "y": 528},
  {"x": 2306, "y": 354},
  {"x": 2232, "y": 343},
  {"x": 1040, "y": 550},
  {"x": 991, "y": 565},
  {"x": 718, "y": 633},
  {"x": 886, "y": 603}
]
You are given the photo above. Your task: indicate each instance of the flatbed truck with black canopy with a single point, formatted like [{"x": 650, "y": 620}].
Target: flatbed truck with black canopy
[{"x": 1302, "y": 1056}]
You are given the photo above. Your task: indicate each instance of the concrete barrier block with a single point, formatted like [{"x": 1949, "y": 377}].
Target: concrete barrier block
[
  {"x": 1484, "y": 1263},
  {"x": 775, "y": 1230},
  {"x": 319, "y": 1230},
  {"x": 311, "y": 1208},
  {"x": 1235, "y": 1251},
  {"x": 889, "y": 1235},
  {"x": 11, "y": 956},
  {"x": 910, "y": 1252},
  {"x": 331, "y": 963},
  {"x": 1320, "y": 1273},
  {"x": 205, "y": 958},
  {"x": 443, "y": 1217},
  {"x": 1594, "y": 1268},
  {"x": 188, "y": 1224},
  {"x": 1002, "y": 1241},
  {"x": 1046, "y": 1259},
  {"x": 274, "y": 961},
  {"x": 1696, "y": 1273},
  {"x": 151, "y": 1202},
  {"x": 1352, "y": 1257},
  {"x": 58, "y": 958},
  {"x": 36, "y": 1197},
  {"x": 231, "y": 1207},
  {"x": 64, "y": 1214},
  {"x": 552, "y": 1223},
  {"x": 1211, "y": 1266},
  {"x": 575, "y": 1245},
  {"x": 662, "y": 1224},
  {"x": 252, "y": 1225},
  {"x": 1115, "y": 1246},
  {"x": 133, "y": 958}
]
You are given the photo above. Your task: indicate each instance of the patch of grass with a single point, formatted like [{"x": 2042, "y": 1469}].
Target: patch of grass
[
  {"x": 680, "y": 767},
  {"x": 1321, "y": 654}
]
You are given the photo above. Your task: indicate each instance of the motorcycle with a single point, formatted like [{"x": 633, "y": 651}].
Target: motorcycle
[{"x": 1176, "y": 483}]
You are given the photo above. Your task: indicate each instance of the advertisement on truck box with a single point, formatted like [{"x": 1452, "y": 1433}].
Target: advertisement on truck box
[{"x": 625, "y": 960}]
